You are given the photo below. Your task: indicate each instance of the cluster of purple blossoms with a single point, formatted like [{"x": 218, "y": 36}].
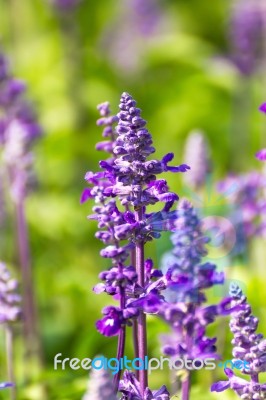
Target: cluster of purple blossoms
[
  {"x": 198, "y": 158},
  {"x": 247, "y": 33},
  {"x": 10, "y": 309},
  {"x": 123, "y": 189},
  {"x": 249, "y": 346},
  {"x": 18, "y": 129},
  {"x": 190, "y": 276},
  {"x": 130, "y": 390},
  {"x": 246, "y": 193}
]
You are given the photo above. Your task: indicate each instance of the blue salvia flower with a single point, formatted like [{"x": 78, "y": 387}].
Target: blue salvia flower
[
  {"x": 248, "y": 346},
  {"x": 129, "y": 178},
  {"x": 185, "y": 259},
  {"x": 190, "y": 276}
]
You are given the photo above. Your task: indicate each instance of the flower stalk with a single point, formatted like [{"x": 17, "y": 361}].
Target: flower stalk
[{"x": 141, "y": 327}]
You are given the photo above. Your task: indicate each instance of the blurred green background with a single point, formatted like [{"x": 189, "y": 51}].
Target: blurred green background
[{"x": 181, "y": 75}]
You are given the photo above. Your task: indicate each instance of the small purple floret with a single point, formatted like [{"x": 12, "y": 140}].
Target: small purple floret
[
  {"x": 262, "y": 108},
  {"x": 261, "y": 155}
]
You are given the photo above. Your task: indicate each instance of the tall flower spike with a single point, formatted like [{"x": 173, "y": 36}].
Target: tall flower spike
[
  {"x": 10, "y": 309},
  {"x": 198, "y": 158},
  {"x": 248, "y": 346},
  {"x": 100, "y": 386},
  {"x": 18, "y": 132},
  {"x": 189, "y": 277},
  {"x": 130, "y": 177}
]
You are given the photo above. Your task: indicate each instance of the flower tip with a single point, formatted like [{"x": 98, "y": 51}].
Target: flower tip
[
  {"x": 262, "y": 108},
  {"x": 184, "y": 167},
  {"x": 220, "y": 386},
  {"x": 261, "y": 155},
  {"x": 168, "y": 157},
  {"x": 86, "y": 194}
]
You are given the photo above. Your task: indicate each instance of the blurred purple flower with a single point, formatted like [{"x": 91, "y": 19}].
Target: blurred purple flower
[
  {"x": 136, "y": 25},
  {"x": 262, "y": 108},
  {"x": 247, "y": 194},
  {"x": 4, "y": 385},
  {"x": 100, "y": 386},
  {"x": 249, "y": 347},
  {"x": 198, "y": 158},
  {"x": 18, "y": 131},
  {"x": 65, "y": 5},
  {"x": 247, "y": 34},
  {"x": 261, "y": 155}
]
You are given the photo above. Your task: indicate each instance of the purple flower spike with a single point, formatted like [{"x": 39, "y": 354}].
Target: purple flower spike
[
  {"x": 126, "y": 184},
  {"x": 188, "y": 278},
  {"x": 249, "y": 347}
]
